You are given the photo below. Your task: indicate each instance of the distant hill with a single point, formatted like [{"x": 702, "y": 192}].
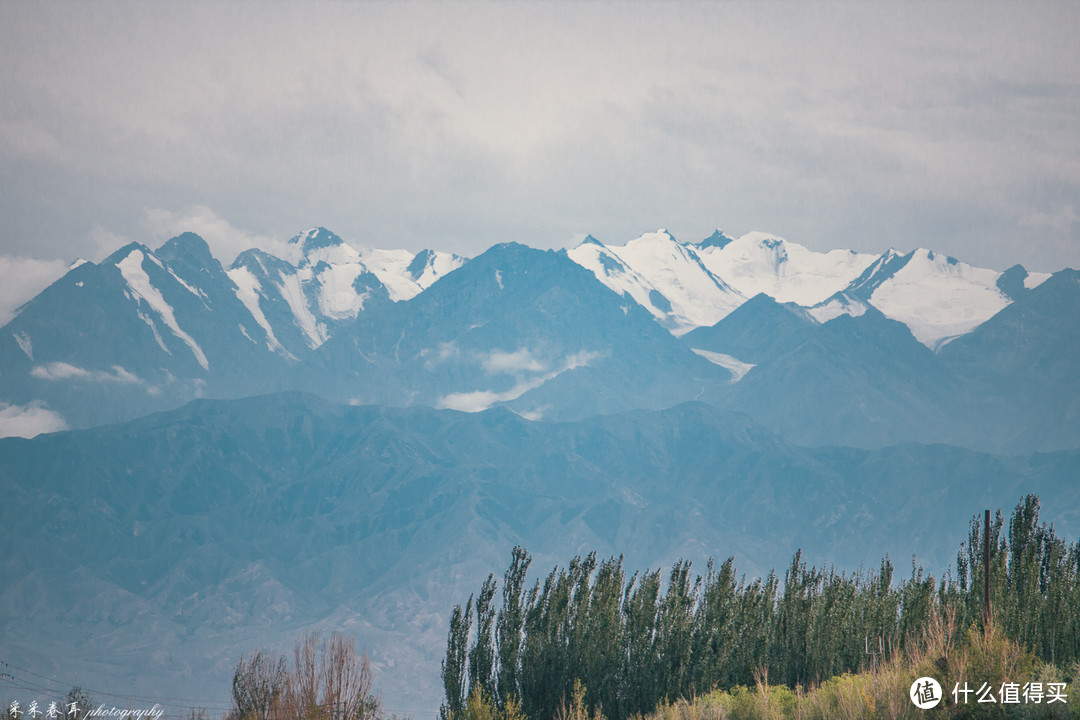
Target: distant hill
[
  {"x": 152, "y": 554},
  {"x": 901, "y": 347}
]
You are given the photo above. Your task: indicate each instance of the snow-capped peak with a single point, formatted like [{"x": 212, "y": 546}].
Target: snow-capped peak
[
  {"x": 688, "y": 285},
  {"x": 324, "y": 281},
  {"x": 717, "y": 240},
  {"x": 146, "y": 295},
  {"x": 660, "y": 235},
  {"x": 663, "y": 276},
  {"x": 406, "y": 274},
  {"x": 788, "y": 272},
  {"x": 316, "y": 237},
  {"x": 320, "y": 245},
  {"x": 427, "y": 266},
  {"x": 839, "y": 304},
  {"x": 936, "y": 296}
]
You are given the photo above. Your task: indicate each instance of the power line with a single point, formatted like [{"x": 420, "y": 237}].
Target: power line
[
  {"x": 181, "y": 704},
  {"x": 164, "y": 701}
]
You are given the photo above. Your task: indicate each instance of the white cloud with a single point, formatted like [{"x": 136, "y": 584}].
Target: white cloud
[
  {"x": 436, "y": 356},
  {"x": 479, "y": 400},
  {"x": 21, "y": 278},
  {"x": 483, "y": 399},
  {"x": 515, "y": 362},
  {"x": 103, "y": 242},
  {"x": 225, "y": 240},
  {"x": 29, "y": 420},
  {"x": 1061, "y": 221},
  {"x": 66, "y": 371},
  {"x": 421, "y": 125}
]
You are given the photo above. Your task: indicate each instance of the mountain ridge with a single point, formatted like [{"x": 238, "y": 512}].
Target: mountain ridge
[
  {"x": 228, "y": 524},
  {"x": 602, "y": 330}
]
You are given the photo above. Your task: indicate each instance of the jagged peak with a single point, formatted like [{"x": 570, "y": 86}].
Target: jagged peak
[
  {"x": 186, "y": 245},
  {"x": 512, "y": 249},
  {"x": 319, "y": 244},
  {"x": 1012, "y": 282},
  {"x": 254, "y": 258},
  {"x": 717, "y": 240},
  {"x": 316, "y": 237},
  {"x": 420, "y": 262},
  {"x": 838, "y": 304},
  {"x": 661, "y": 235},
  {"x": 126, "y": 250},
  {"x": 758, "y": 237}
]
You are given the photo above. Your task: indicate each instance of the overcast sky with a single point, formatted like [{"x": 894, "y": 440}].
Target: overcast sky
[{"x": 456, "y": 126}]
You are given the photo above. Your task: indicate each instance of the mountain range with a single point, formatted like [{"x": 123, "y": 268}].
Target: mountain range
[
  {"x": 826, "y": 348},
  {"x": 353, "y": 439},
  {"x": 151, "y": 555}
]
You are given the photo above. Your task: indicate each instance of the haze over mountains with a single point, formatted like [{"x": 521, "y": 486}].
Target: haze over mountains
[
  {"x": 149, "y": 556},
  {"x": 887, "y": 342},
  {"x": 353, "y": 440}
]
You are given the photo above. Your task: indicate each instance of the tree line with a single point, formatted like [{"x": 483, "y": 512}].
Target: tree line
[
  {"x": 327, "y": 680},
  {"x": 636, "y": 641}
]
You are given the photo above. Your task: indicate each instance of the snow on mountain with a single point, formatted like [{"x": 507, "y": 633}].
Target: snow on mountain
[
  {"x": 339, "y": 296},
  {"x": 1035, "y": 279},
  {"x": 788, "y": 272},
  {"x": 327, "y": 269},
  {"x": 319, "y": 245},
  {"x": 688, "y": 286},
  {"x": 617, "y": 275},
  {"x": 666, "y": 277},
  {"x": 292, "y": 291},
  {"x": 272, "y": 293},
  {"x": 324, "y": 282},
  {"x": 249, "y": 290},
  {"x": 938, "y": 297},
  {"x": 337, "y": 266},
  {"x": 321, "y": 282},
  {"x": 839, "y": 304},
  {"x": 147, "y": 330},
  {"x": 678, "y": 272},
  {"x": 427, "y": 266},
  {"x": 131, "y": 267},
  {"x": 405, "y": 274},
  {"x": 391, "y": 267},
  {"x": 520, "y": 327},
  {"x": 735, "y": 366}
]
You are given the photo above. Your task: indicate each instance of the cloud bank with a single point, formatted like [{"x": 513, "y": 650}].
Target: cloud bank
[
  {"x": 419, "y": 125},
  {"x": 28, "y": 421},
  {"x": 22, "y": 278}
]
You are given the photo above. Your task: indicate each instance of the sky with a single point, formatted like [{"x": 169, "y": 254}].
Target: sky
[{"x": 454, "y": 126}]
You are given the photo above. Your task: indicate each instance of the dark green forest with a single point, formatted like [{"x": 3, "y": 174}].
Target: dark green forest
[{"x": 637, "y": 641}]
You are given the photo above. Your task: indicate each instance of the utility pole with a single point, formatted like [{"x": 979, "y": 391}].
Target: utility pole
[
  {"x": 986, "y": 569},
  {"x": 874, "y": 655}
]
